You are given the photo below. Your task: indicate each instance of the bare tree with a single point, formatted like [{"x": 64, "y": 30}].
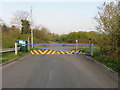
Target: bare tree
[{"x": 20, "y": 15}]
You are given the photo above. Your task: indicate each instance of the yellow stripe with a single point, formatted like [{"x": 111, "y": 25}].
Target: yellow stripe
[
  {"x": 62, "y": 52},
  {"x": 58, "y": 52},
  {"x": 31, "y": 52},
  {"x": 35, "y": 51},
  {"x": 45, "y": 51},
  {"x": 77, "y": 51},
  {"x": 49, "y": 52},
  {"x": 53, "y": 52},
  {"x": 40, "y": 51},
  {"x": 81, "y": 51},
  {"x": 69, "y": 52},
  {"x": 73, "y": 50}
]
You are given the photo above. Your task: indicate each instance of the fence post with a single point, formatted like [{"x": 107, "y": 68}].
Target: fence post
[
  {"x": 16, "y": 49},
  {"x": 91, "y": 49}
]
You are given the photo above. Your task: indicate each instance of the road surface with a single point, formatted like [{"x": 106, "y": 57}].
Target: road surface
[{"x": 57, "y": 71}]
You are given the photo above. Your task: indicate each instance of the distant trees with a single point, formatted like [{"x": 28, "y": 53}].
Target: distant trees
[
  {"x": 43, "y": 35},
  {"x": 4, "y": 28},
  {"x": 81, "y": 36},
  {"x": 109, "y": 27},
  {"x": 9, "y": 36}
]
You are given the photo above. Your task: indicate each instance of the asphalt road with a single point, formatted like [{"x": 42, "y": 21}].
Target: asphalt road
[{"x": 57, "y": 71}]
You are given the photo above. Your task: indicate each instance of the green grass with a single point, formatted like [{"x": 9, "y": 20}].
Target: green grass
[
  {"x": 7, "y": 56},
  {"x": 111, "y": 63}
]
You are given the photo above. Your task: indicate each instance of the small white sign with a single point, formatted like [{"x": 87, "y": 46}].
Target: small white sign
[
  {"x": 76, "y": 41},
  {"x": 21, "y": 41}
]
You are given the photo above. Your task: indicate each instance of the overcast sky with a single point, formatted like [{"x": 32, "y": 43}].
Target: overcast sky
[{"x": 58, "y": 17}]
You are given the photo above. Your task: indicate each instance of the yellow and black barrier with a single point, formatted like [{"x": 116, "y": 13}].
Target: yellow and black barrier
[{"x": 40, "y": 51}]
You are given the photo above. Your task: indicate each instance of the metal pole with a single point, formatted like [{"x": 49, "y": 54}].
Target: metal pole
[
  {"x": 91, "y": 48},
  {"x": 31, "y": 29},
  {"x": 16, "y": 49},
  {"x": 32, "y": 37}
]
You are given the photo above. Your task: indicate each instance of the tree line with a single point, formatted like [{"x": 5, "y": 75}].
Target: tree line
[
  {"x": 81, "y": 36},
  {"x": 11, "y": 34}
]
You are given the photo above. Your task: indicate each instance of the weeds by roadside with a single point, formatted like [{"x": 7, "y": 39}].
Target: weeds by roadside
[{"x": 7, "y": 56}]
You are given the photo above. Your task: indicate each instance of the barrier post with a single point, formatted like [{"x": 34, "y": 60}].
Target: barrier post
[
  {"x": 28, "y": 43},
  {"x": 76, "y": 45},
  {"x": 16, "y": 49},
  {"x": 91, "y": 48}
]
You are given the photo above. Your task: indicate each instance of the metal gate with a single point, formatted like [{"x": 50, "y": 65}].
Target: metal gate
[{"x": 61, "y": 49}]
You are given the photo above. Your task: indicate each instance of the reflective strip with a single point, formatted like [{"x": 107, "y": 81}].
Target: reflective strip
[
  {"x": 58, "y": 52},
  {"x": 62, "y": 52},
  {"x": 69, "y": 52},
  {"x": 35, "y": 51},
  {"x": 53, "y": 52},
  {"x": 81, "y": 51},
  {"x": 40, "y": 51},
  {"x": 49, "y": 52},
  {"x": 73, "y": 50},
  {"x": 45, "y": 52}
]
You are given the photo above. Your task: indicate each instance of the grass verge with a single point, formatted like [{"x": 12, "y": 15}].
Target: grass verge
[
  {"x": 8, "y": 56},
  {"x": 111, "y": 63}
]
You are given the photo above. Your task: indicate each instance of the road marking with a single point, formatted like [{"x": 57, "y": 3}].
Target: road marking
[{"x": 50, "y": 75}]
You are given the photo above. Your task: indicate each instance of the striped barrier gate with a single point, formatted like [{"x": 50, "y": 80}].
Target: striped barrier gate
[
  {"x": 46, "y": 51},
  {"x": 41, "y": 50}
]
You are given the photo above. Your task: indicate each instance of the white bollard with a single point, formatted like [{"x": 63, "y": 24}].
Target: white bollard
[
  {"x": 76, "y": 45},
  {"x": 16, "y": 49}
]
